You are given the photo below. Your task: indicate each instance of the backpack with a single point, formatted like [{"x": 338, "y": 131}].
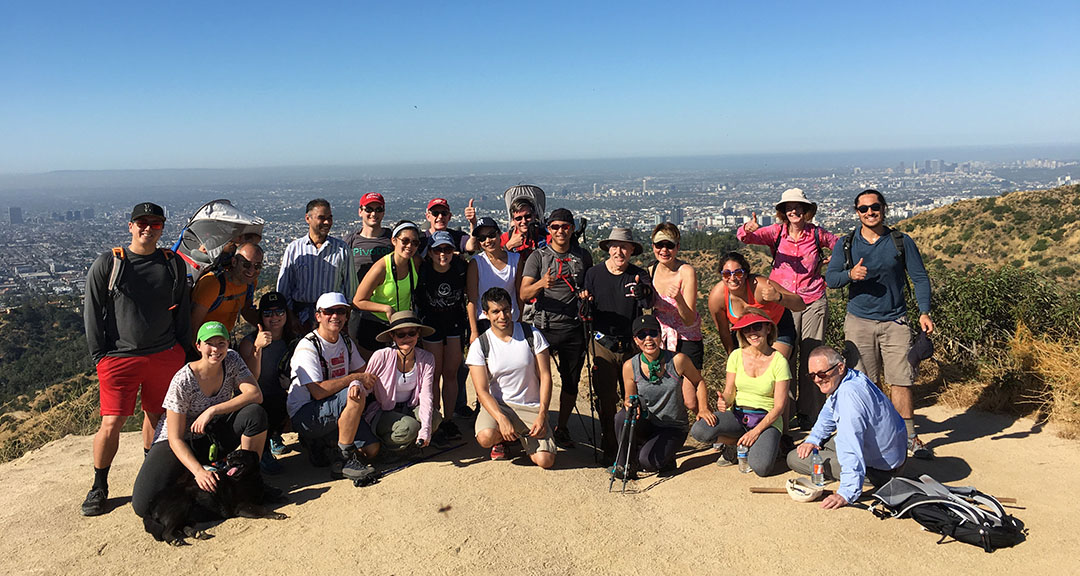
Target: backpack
[
  {"x": 897, "y": 238},
  {"x": 959, "y": 512},
  {"x": 248, "y": 295},
  {"x": 485, "y": 344},
  {"x": 574, "y": 266},
  {"x": 119, "y": 265},
  {"x": 285, "y": 364},
  {"x": 817, "y": 245}
]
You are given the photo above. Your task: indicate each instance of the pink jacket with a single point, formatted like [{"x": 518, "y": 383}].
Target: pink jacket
[
  {"x": 797, "y": 266},
  {"x": 383, "y": 364}
]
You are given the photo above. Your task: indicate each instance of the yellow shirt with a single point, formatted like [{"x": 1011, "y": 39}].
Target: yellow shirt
[{"x": 757, "y": 392}]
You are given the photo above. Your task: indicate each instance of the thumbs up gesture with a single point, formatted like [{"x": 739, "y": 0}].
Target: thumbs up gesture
[
  {"x": 858, "y": 271},
  {"x": 768, "y": 293},
  {"x": 751, "y": 226},
  {"x": 470, "y": 213},
  {"x": 263, "y": 338}
]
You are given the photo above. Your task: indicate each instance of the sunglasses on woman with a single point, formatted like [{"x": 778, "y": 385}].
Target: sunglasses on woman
[
  {"x": 405, "y": 333},
  {"x": 664, "y": 245},
  {"x": 487, "y": 236},
  {"x": 272, "y": 313},
  {"x": 756, "y": 326},
  {"x": 643, "y": 334},
  {"x": 737, "y": 273}
]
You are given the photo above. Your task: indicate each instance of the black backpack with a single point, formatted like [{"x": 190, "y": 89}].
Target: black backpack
[
  {"x": 959, "y": 512},
  {"x": 285, "y": 364}
]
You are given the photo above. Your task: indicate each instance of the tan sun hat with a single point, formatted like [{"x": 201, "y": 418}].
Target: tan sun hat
[
  {"x": 403, "y": 319},
  {"x": 794, "y": 195},
  {"x": 621, "y": 235},
  {"x": 802, "y": 490}
]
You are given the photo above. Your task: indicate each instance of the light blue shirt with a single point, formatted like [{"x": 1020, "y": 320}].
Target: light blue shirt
[
  {"x": 308, "y": 272},
  {"x": 869, "y": 431}
]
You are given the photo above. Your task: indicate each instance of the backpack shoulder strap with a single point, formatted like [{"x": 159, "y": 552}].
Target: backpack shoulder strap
[
  {"x": 221, "y": 291},
  {"x": 319, "y": 352},
  {"x": 119, "y": 256},
  {"x": 848, "y": 264},
  {"x": 817, "y": 243},
  {"x": 485, "y": 345},
  {"x": 776, "y": 245},
  {"x": 898, "y": 241},
  {"x": 530, "y": 336}
]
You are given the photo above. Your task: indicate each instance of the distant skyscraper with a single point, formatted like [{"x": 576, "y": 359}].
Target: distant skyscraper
[
  {"x": 70, "y": 215},
  {"x": 15, "y": 215},
  {"x": 643, "y": 181},
  {"x": 677, "y": 216},
  {"x": 88, "y": 213}
]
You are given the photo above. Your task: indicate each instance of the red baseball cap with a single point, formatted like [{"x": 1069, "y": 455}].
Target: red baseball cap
[
  {"x": 372, "y": 198},
  {"x": 438, "y": 202}
]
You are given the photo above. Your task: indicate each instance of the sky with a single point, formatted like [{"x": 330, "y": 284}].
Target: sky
[{"x": 145, "y": 85}]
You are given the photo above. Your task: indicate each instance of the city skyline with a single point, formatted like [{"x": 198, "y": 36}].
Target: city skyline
[{"x": 245, "y": 85}]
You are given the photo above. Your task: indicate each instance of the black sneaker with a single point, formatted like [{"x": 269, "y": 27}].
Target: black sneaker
[
  {"x": 450, "y": 430},
  {"x": 94, "y": 505},
  {"x": 354, "y": 467},
  {"x": 562, "y": 438}
]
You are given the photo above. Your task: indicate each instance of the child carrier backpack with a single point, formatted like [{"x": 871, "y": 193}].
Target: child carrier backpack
[{"x": 959, "y": 512}]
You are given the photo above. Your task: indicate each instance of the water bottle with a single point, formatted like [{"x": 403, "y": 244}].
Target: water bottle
[
  {"x": 817, "y": 466},
  {"x": 744, "y": 464}
]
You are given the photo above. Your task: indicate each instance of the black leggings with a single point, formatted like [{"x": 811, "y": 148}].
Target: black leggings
[
  {"x": 657, "y": 444},
  {"x": 567, "y": 343},
  {"x": 161, "y": 467}
]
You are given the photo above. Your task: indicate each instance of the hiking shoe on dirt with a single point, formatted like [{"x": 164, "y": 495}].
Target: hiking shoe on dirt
[
  {"x": 728, "y": 456},
  {"x": 450, "y": 430},
  {"x": 621, "y": 473},
  {"x": 351, "y": 464},
  {"x": 269, "y": 465},
  {"x": 562, "y": 438},
  {"x": 94, "y": 505},
  {"x": 277, "y": 446},
  {"x": 498, "y": 452},
  {"x": 916, "y": 449}
]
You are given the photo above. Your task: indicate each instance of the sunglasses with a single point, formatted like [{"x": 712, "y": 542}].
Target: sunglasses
[
  {"x": 248, "y": 265},
  {"x": 793, "y": 207},
  {"x": 438, "y": 213},
  {"x": 664, "y": 245},
  {"x": 824, "y": 373},
  {"x": 876, "y": 207},
  {"x": 443, "y": 250},
  {"x": 272, "y": 313},
  {"x": 375, "y": 210},
  {"x": 643, "y": 334},
  {"x": 336, "y": 312},
  {"x": 559, "y": 227},
  {"x": 487, "y": 236},
  {"x": 523, "y": 217},
  {"x": 737, "y": 273},
  {"x": 151, "y": 224},
  {"x": 405, "y": 333},
  {"x": 754, "y": 327},
  {"x": 405, "y": 241}
]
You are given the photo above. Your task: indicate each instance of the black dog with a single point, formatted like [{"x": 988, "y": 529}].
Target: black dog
[{"x": 240, "y": 492}]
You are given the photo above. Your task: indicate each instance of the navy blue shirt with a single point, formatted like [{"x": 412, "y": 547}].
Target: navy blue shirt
[{"x": 880, "y": 296}]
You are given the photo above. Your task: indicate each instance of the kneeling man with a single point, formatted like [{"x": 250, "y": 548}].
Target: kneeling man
[
  {"x": 869, "y": 439},
  {"x": 511, "y": 371}
]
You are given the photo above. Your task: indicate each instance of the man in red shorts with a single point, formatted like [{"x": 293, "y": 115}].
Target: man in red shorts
[{"x": 138, "y": 319}]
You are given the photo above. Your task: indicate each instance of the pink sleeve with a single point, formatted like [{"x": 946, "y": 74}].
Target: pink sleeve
[
  {"x": 426, "y": 390},
  {"x": 764, "y": 236},
  {"x": 829, "y": 237},
  {"x": 378, "y": 365}
]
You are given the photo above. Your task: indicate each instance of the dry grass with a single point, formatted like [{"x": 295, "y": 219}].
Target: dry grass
[{"x": 70, "y": 407}]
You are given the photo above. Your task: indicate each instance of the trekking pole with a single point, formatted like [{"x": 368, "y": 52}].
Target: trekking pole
[
  {"x": 624, "y": 438},
  {"x": 635, "y": 413},
  {"x": 590, "y": 349}
]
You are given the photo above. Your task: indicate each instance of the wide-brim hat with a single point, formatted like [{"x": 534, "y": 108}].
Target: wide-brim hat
[
  {"x": 803, "y": 490},
  {"x": 403, "y": 319},
  {"x": 749, "y": 318},
  {"x": 621, "y": 235},
  {"x": 794, "y": 195}
]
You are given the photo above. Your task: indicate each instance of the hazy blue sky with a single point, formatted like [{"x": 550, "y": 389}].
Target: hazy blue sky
[{"x": 98, "y": 85}]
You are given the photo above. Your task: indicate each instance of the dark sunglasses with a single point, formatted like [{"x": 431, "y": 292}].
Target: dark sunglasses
[
  {"x": 754, "y": 327},
  {"x": 559, "y": 227},
  {"x": 643, "y": 334},
  {"x": 736, "y": 273},
  {"x": 377, "y": 209},
  {"x": 407, "y": 241},
  {"x": 336, "y": 311},
  {"x": 271, "y": 313},
  {"x": 151, "y": 224},
  {"x": 405, "y": 333},
  {"x": 437, "y": 213},
  {"x": 876, "y": 207},
  {"x": 248, "y": 265},
  {"x": 523, "y": 217},
  {"x": 443, "y": 250},
  {"x": 664, "y": 245},
  {"x": 487, "y": 236},
  {"x": 824, "y": 373}
]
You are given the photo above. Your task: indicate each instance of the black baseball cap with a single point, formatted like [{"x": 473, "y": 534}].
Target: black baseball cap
[
  {"x": 645, "y": 322},
  {"x": 147, "y": 209},
  {"x": 485, "y": 222},
  {"x": 271, "y": 300}
]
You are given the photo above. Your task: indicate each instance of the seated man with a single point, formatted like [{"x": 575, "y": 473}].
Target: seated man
[
  {"x": 869, "y": 439},
  {"x": 511, "y": 371},
  {"x": 328, "y": 389}
]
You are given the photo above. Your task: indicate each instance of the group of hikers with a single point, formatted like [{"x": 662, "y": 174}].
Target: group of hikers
[{"x": 364, "y": 345}]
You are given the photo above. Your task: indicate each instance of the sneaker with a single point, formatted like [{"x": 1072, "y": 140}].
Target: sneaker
[
  {"x": 621, "y": 473},
  {"x": 269, "y": 465},
  {"x": 450, "y": 430},
  {"x": 916, "y": 449},
  {"x": 94, "y": 505},
  {"x": 498, "y": 452},
  {"x": 354, "y": 467},
  {"x": 562, "y": 438},
  {"x": 277, "y": 446},
  {"x": 728, "y": 456}
]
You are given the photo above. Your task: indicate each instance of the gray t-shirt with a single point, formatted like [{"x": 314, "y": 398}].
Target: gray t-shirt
[
  {"x": 663, "y": 400},
  {"x": 366, "y": 251},
  {"x": 185, "y": 397},
  {"x": 558, "y": 305}
]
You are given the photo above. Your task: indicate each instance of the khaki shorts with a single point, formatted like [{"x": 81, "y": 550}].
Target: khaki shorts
[
  {"x": 522, "y": 417},
  {"x": 876, "y": 345}
]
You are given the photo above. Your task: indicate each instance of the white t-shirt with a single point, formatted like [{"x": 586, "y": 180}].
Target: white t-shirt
[
  {"x": 305, "y": 367},
  {"x": 511, "y": 366},
  {"x": 404, "y": 385}
]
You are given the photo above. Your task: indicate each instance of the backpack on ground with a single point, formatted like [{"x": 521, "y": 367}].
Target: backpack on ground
[{"x": 959, "y": 512}]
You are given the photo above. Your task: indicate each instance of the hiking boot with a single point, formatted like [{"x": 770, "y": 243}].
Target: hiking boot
[
  {"x": 916, "y": 449},
  {"x": 450, "y": 430},
  {"x": 728, "y": 456},
  {"x": 498, "y": 452},
  {"x": 621, "y": 473},
  {"x": 94, "y": 505},
  {"x": 562, "y": 438},
  {"x": 277, "y": 446},
  {"x": 352, "y": 465},
  {"x": 269, "y": 465}
]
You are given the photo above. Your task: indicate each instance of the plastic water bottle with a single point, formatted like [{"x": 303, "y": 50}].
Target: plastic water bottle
[
  {"x": 744, "y": 464},
  {"x": 817, "y": 466}
]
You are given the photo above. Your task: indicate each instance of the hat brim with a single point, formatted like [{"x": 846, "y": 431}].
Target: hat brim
[
  {"x": 807, "y": 203},
  {"x": 387, "y": 335},
  {"x": 605, "y": 244},
  {"x": 749, "y": 320}
]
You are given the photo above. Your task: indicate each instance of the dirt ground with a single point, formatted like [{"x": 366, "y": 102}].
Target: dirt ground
[{"x": 460, "y": 513}]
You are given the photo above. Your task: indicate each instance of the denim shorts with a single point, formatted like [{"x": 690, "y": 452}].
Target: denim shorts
[{"x": 319, "y": 418}]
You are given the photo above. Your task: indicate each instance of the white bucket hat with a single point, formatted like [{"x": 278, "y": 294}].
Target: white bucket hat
[{"x": 794, "y": 195}]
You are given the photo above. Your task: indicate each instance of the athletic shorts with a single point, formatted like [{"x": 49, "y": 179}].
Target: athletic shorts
[
  {"x": 121, "y": 377},
  {"x": 447, "y": 325},
  {"x": 879, "y": 346},
  {"x": 785, "y": 330},
  {"x": 522, "y": 417}
]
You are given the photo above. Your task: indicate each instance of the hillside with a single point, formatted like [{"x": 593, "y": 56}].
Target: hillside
[{"x": 1037, "y": 229}]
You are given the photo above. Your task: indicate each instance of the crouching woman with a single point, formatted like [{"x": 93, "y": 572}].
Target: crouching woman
[{"x": 211, "y": 401}]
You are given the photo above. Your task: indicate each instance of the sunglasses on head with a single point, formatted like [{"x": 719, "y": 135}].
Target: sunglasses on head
[
  {"x": 876, "y": 207},
  {"x": 150, "y": 223},
  {"x": 824, "y": 373},
  {"x": 559, "y": 227},
  {"x": 643, "y": 334},
  {"x": 271, "y": 313},
  {"x": 373, "y": 210},
  {"x": 736, "y": 273},
  {"x": 405, "y": 333},
  {"x": 664, "y": 245}
]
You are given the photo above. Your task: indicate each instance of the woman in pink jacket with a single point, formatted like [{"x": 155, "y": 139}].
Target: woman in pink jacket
[
  {"x": 798, "y": 247},
  {"x": 403, "y": 413}
]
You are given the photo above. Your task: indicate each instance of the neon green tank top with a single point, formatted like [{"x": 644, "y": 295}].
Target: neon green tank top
[{"x": 396, "y": 293}]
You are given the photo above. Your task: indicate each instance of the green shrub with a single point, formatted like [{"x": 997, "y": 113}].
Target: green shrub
[{"x": 1040, "y": 245}]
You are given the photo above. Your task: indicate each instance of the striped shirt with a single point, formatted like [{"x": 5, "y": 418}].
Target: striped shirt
[{"x": 308, "y": 272}]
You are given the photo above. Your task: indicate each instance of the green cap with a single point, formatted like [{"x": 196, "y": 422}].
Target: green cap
[{"x": 211, "y": 329}]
